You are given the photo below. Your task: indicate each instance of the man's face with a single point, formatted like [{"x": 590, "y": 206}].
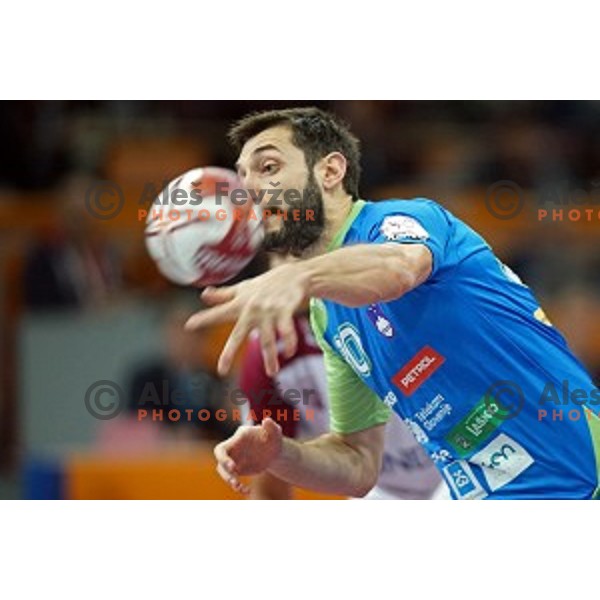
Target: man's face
[{"x": 270, "y": 161}]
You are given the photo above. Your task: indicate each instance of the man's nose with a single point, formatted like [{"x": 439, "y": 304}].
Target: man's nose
[{"x": 252, "y": 185}]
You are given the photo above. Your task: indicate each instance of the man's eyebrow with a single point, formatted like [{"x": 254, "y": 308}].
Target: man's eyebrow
[{"x": 259, "y": 149}]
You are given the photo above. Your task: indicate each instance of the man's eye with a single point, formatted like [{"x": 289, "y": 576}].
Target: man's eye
[{"x": 269, "y": 168}]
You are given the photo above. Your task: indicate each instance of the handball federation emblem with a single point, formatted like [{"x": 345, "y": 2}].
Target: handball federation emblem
[
  {"x": 381, "y": 322},
  {"x": 400, "y": 227}
]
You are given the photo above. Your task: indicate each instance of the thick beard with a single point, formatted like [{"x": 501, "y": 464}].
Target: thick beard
[{"x": 296, "y": 236}]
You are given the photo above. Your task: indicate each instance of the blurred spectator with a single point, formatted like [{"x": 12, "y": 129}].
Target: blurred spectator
[
  {"x": 73, "y": 265},
  {"x": 182, "y": 380}
]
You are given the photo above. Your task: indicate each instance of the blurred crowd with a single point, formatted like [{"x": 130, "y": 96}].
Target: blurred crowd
[
  {"x": 57, "y": 257},
  {"x": 456, "y": 143}
]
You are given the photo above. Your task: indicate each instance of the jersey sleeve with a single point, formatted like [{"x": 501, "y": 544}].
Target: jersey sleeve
[
  {"x": 418, "y": 221},
  {"x": 353, "y": 406}
]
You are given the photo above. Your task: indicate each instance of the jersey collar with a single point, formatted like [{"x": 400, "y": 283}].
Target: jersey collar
[{"x": 338, "y": 238}]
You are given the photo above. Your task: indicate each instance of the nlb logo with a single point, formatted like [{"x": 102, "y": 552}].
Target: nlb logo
[{"x": 422, "y": 366}]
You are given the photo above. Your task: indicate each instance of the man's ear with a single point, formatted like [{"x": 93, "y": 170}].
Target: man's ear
[{"x": 332, "y": 170}]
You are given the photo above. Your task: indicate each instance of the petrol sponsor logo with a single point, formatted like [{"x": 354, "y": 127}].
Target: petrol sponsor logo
[
  {"x": 477, "y": 426},
  {"x": 462, "y": 481},
  {"x": 380, "y": 321},
  {"x": 433, "y": 413},
  {"x": 420, "y": 368},
  {"x": 401, "y": 227},
  {"x": 502, "y": 461},
  {"x": 348, "y": 342}
]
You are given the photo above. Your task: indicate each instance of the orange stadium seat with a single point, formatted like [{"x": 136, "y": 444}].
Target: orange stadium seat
[{"x": 179, "y": 475}]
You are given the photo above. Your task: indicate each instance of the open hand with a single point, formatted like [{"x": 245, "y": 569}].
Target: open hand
[{"x": 266, "y": 303}]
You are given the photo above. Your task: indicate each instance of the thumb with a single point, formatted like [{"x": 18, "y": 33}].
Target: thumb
[
  {"x": 271, "y": 428},
  {"x": 212, "y": 295}
]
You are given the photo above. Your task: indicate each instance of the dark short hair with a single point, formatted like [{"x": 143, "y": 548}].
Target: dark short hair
[{"x": 314, "y": 131}]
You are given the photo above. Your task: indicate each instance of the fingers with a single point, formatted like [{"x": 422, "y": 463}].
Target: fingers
[
  {"x": 212, "y": 296},
  {"x": 268, "y": 342},
  {"x": 242, "y": 488},
  {"x": 236, "y": 338},
  {"x": 271, "y": 427},
  {"x": 287, "y": 331},
  {"x": 222, "y": 456},
  {"x": 226, "y": 469},
  {"x": 213, "y": 316},
  {"x": 232, "y": 480}
]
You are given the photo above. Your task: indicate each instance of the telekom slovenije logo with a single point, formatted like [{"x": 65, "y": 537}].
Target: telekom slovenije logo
[{"x": 420, "y": 368}]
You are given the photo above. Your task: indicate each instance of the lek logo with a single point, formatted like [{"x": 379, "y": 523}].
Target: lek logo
[{"x": 381, "y": 322}]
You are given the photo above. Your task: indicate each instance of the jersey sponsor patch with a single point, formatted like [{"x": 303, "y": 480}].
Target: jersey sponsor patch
[
  {"x": 347, "y": 341},
  {"x": 396, "y": 228},
  {"x": 380, "y": 321},
  {"x": 477, "y": 426},
  {"x": 434, "y": 412},
  {"x": 462, "y": 481},
  {"x": 501, "y": 461},
  {"x": 441, "y": 456},
  {"x": 390, "y": 399},
  {"x": 420, "y": 368}
]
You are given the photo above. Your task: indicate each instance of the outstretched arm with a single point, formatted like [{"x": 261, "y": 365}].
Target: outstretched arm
[
  {"x": 367, "y": 273},
  {"x": 353, "y": 276}
]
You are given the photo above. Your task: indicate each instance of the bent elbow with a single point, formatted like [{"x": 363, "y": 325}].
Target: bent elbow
[{"x": 407, "y": 270}]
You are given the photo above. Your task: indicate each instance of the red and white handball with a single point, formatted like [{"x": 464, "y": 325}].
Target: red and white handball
[{"x": 194, "y": 232}]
